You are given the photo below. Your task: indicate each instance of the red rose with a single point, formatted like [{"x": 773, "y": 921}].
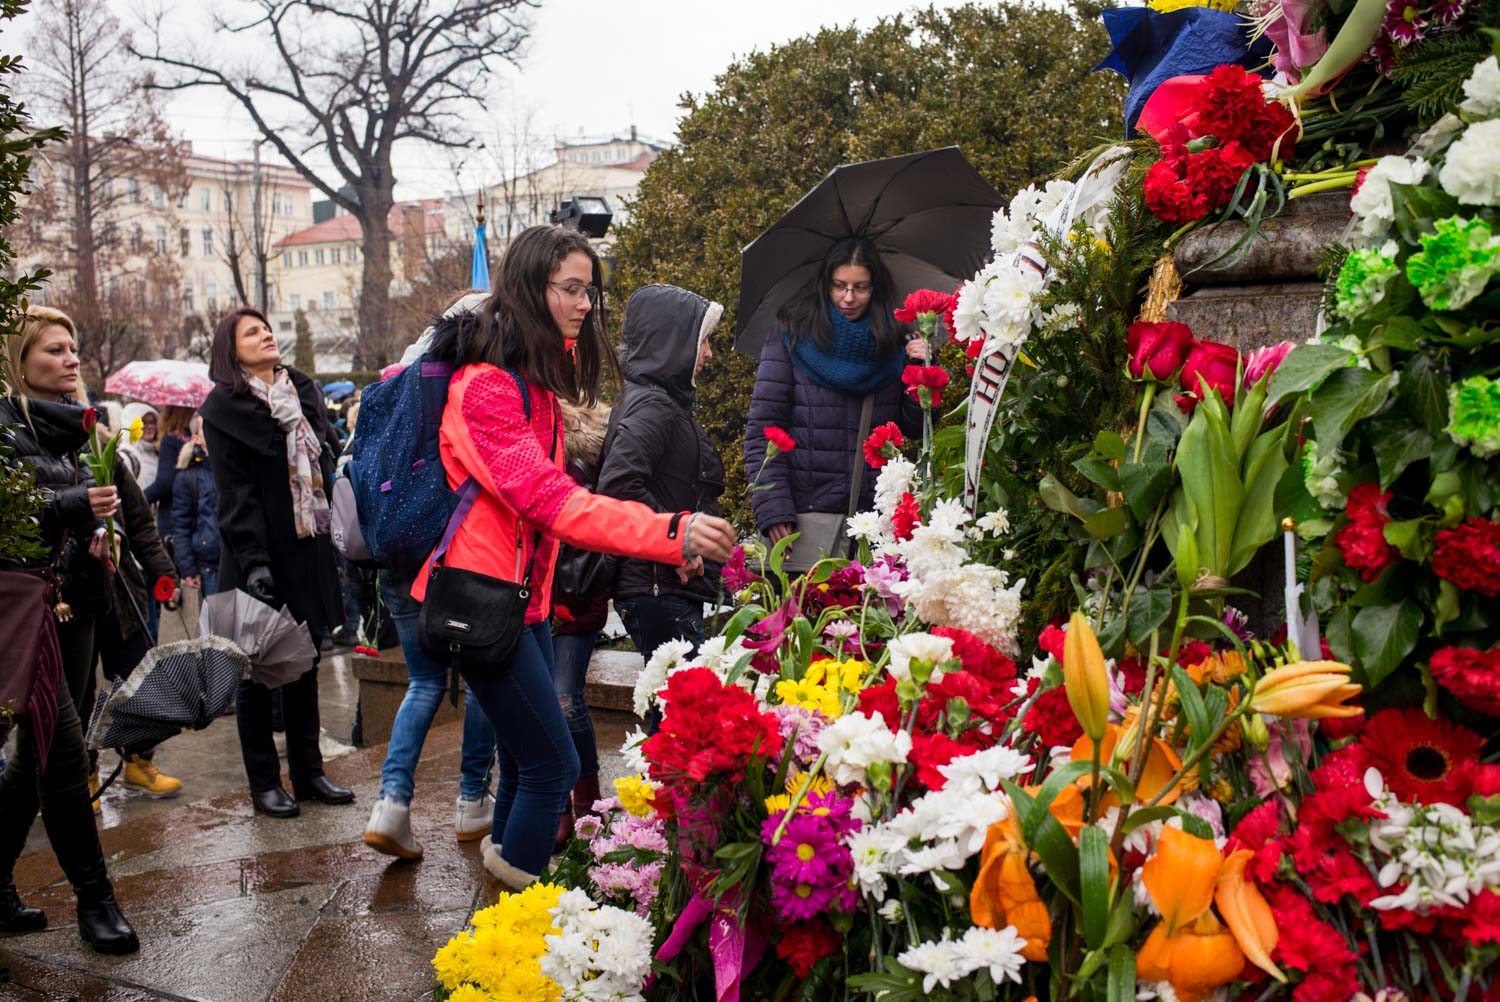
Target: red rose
[
  {"x": 1158, "y": 349},
  {"x": 929, "y": 378},
  {"x": 1469, "y": 556},
  {"x": 924, "y": 301},
  {"x": 906, "y": 517},
  {"x": 1362, "y": 541},
  {"x": 779, "y": 440},
  {"x": 804, "y": 944},
  {"x": 1217, "y": 364},
  {"x": 1472, "y": 676},
  {"x": 882, "y": 444},
  {"x": 1168, "y": 195},
  {"x": 90, "y": 419},
  {"x": 165, "y": 590}
]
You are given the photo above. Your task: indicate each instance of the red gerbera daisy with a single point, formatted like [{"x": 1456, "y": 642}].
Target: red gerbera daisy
[{"x": 1422, "y": 760}]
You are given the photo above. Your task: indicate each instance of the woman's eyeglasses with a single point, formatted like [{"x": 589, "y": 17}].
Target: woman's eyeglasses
[
  {"x": 574, "y": 291},
  {"x": 860, "y": 289}
]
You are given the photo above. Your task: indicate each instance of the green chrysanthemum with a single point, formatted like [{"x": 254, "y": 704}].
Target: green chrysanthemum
[
  {"x": 1363, "y": 279},
  {"x": 1320, "y": 476},
  {"x": 1474, "y": 415},
  {"x": 1455, "y": 263}
]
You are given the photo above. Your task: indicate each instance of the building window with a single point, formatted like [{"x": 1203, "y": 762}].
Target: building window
[
  {"x": 158, "y": 197},
  {"x": 328, "y": 300},
  {"x": 187, "y": 241},
  {"x": 205, "y": 200},
  {"x": 161, "y": 239},
  {"x": 208, "y": 243},
  {"x": 133, "y": 191},
  {"x": 187, "y": 295},
  {"x": 337, "y": 253},
  {"x": 353, "y": 253},
  {"x": 211, "y": 293},
  {"x": 135, "y": 239},
  {"x": 318, "y": 255},
  {"x": 294, "y": 301},
  {"x": 302, "y": 259},
  {"x": 286, "y": 259},
  {"x": 228, "y": 201}
]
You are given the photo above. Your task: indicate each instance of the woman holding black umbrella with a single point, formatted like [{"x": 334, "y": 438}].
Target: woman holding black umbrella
[
  {"x": 831, "y": 367},
  {"x": 267, "y": 429}
]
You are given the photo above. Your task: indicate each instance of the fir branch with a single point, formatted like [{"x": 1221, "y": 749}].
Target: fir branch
[{"x": 1432, "y": 74}]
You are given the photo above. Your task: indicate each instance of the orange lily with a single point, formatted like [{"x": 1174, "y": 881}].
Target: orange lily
[
  {"x": 1084, "y": 676},
  {"x": 1311, "y": 690},
  {"x": 1005, "y": 892},
  {"x": 1247, "y": 914},
  {"x": 1162, "y": 762},
  {"x": 1197, "y": 961},
  {"x": 1180, "y": 876}
]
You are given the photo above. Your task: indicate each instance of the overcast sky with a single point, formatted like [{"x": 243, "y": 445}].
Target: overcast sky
[{"x": 595, "y": 66}]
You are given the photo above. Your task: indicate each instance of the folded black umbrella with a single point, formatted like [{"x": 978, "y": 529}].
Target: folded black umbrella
[
  {"x": 176, "y": 687},
  {"x": 928, "y": 214}
]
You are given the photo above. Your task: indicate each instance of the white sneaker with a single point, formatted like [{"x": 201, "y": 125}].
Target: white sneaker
[
  {"x": 473, "y": 818},
  {"x": 389, "y": 830}
]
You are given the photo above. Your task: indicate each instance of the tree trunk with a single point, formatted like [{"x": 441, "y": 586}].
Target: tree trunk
[
  {"x": 85, "y": 259},
  {"x": 372, "y": 343}
]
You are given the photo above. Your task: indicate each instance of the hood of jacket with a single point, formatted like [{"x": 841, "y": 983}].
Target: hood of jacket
[
  {"x": 583, "y": 430},
  {"x": 663, "y": 332},
  {"x": 136, "y": 409}
]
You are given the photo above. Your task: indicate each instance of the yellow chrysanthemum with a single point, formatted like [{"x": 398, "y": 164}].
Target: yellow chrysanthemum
[
  {"x": 500, "y": 958},
  {"x": 1167, "y": 6},
  {"x": 847, "y": 675},
  {"x": 810, "y": 694},
  {"x": 637, "y": 795},
  {"x": 794, "y": 781},
  {"x": 778, "y": 802},
  {"x": 469, "y": 993},
  {"x": 451, "y": 962}
]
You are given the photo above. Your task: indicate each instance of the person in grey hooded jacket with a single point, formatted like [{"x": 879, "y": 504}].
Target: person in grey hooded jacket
[{"x": 658, "y": 454}]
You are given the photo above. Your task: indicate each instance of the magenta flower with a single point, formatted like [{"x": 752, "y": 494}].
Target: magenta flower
[
  {"x": 1404, "y": 22},
  {"x": 799, "y": 902},
  {"x": 1263, "y": 361},
  {"x": 807, "y": 851},
  {"x": 738, "y": 577},
  {"x": 1449, "y": 11},
  {"x": 833, "y": 808}
]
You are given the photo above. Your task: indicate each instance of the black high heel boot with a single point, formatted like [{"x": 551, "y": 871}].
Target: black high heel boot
[
  {"x": 100, "y": 923},
  {"x": 15, "y": 916}
]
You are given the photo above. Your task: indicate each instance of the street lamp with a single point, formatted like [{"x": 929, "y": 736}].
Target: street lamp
[{"x": 589, "y": 214}]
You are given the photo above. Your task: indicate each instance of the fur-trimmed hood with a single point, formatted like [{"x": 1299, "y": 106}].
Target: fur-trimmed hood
[{"x": 584, "y": 429}]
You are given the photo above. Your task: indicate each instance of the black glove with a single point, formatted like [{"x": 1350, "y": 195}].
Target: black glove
[{"x": 258, "y": 584}]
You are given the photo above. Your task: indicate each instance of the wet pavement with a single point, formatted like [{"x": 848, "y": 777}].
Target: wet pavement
[{"x": 234, "y": 907}]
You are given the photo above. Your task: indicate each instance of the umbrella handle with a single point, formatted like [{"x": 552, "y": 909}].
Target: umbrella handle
[{"x": 112, "y": 776}]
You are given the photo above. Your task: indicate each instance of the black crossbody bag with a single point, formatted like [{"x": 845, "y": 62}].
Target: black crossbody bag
[{"x": 470, "y": 618}]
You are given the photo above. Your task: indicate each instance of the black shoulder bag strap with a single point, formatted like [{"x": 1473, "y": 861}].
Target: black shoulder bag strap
[{"x": 856, "y": 487}]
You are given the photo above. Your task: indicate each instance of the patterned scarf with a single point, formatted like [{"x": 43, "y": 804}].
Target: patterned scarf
[
  {"x": 850, "y": 364},
  {"x": 304, "y": 473}
]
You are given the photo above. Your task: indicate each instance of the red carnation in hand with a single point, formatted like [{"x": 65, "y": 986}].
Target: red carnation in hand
[
  {"x": 925, "y": 302},
  {"x": 1217, "y": 364},
  {"x": 804, "y": 944},
  {"x": 883, "y": 443},
  {"x": 925, "y": 383},
  {"x": 777, "y": 441},
  {"x": 562, "y": 613},
  {"x": 1363, "y": 539},
  {"x": 1158, "y": 349},
  {"x": 366, "y": 651},
  {"x": 165, "y": 590},
  {"x": 906, "y": 517},
  {"x": 1469, "y": 556},
  {"x": 1472, "y": 676}
]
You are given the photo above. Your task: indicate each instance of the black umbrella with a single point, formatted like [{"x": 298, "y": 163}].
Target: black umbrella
[
  {"x": 176, "y": 687},
  {"x": 928, "y": 215}
]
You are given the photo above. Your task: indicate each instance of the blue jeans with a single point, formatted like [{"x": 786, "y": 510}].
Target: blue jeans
[
  {"x": 538, "y": 765},
  {"x": 210, "y": 579},
  {"x": 571, "y": 652},
  {"x": 426, "y": 687}
]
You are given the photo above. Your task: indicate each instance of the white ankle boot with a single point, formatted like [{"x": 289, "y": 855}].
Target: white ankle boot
[
  {"x": 389, "y": 830},
  {"x": 473, "y": 818},
  {"x": 513, "y": 877}
]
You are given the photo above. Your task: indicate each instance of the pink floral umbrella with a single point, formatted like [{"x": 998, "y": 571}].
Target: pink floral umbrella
[{"x": 162, "y": 382}]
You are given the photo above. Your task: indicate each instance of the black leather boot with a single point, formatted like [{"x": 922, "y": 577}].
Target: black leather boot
[
  {"x": 323, "y": 790},
  {"x": 15, "y": 916},
  {"x": 100, "y": 923}
]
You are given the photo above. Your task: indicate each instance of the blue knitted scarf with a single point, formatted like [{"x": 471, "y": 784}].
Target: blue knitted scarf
[{"x": 850, "y": 365}]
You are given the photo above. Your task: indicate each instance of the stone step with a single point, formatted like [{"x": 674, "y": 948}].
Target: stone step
[{"x": 609, "y": 686}]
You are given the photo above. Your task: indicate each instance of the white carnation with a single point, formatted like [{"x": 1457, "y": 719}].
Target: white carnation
[
  {"x": 855, "y": 742},
  {"x": 918, "y": 647},
  {"x": 1482, "y": 90},
  {"x": 1471, "y": 172},
  {"x": 1373, "y": 205}
]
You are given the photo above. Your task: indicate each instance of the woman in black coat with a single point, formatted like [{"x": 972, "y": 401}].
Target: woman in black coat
[
  {"x": 47, "y": 428},
  {"x": 267, "y": 430}
]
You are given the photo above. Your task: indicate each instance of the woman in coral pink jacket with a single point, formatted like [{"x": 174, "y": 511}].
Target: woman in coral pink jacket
[{"x": 546, "y": 322}]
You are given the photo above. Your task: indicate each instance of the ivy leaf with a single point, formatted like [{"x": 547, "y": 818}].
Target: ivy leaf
[
  {"x": 1424, "y": 391},
  {"x": 1109, "y": 445},
  {"x": 1148, "y": 611},
  {"x": 1346, "y": 397},
  {"x": 1397, "y": 443},
  {"x": 1383, "y": 636},
  {"x": 1144, "y": 485}
]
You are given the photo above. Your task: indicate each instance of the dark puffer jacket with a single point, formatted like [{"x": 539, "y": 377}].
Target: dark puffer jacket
[
  {"x": 817, "y": 474},
  {"x": 656, "y": 452},
  {"x": 195, "y": 516},
  {"x": 47, "y": 439},
  {"x": 143, "y": 559}
]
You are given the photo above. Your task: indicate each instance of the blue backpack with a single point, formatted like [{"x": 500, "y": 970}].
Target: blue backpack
[{"x": 395, "y": 470}]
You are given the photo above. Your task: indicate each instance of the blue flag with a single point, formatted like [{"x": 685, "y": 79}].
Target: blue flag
[{"x": 479, "y": 277}]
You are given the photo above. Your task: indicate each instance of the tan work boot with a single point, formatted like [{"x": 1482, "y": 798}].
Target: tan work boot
[
  {"x": 142, "y": 774},
  {"x": 94, "y": 789}
]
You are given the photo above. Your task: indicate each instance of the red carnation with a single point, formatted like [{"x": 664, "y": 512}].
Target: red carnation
[
  {"x": 882, "y": 444},
  {"x": 906, "y": 517},
  {"x": 925, "y": 301},
  {"x": 804, "y": 944},
  {"x": 562, "y": 613},
  {"x": 1362, "y": 541},
  {"x": 1168, "y": 195},
  {"x": 365, "y": 651},
  {"x": 165, "y": 590},
  {"x": 709, "y": 729},
  {"x": 1051, "y": 718},
  {"x": 977, "y": 656},
  {"x": 1158, "y": 349},
  {"x": 1422, "y": 760},
  {"x": 925, "y": 383},
  {"x": 1052, "y": 640},
  {"x": 1215, "y": 173},
  {"x": 1469, "y": 556},
  {"x": 1217, "y": 364},
  {"x": 778, "y": 441},
  {"x": 1472, "y": 676},
  {"x": 948, "y": 313}
]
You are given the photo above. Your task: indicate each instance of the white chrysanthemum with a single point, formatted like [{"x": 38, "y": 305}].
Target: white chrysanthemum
[
  {"x": 996, "y": 523},
  {"x": 1429, "y": 855},
  {"x": 982, "y": 771},
  {"x": 894, "y": 480},
  {"x": 973, "y": 597},
  {"x": 653, "y": 677},
  {"x": 720, "y": 657},
  {"x": 969, "y": 312},
  {"x": 855, "y": 741},
  {"x": 599, "y": 952},
  {"x": 1471, "y": 170},
  {"x": 892, "y": 911},
  {"x": 1373, "y": 205},
  {"x": 995, "y": 950},
  {"x": 951, "y": 815},
  {"x": 630, "y": 750},
  {"x": 1009, "y": 307},
  {"x": 1004, "y": 237},
  {"x": 870, "y": 848},
  {"x": 938, "y": 962},
  {"x": 949, "y": 516},
  {"x": 929, "y": 551},
  {"x": 1482, "y": 90},
  {"x": 871, "y": 527},
  {"x": 918, "y": 647}
]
